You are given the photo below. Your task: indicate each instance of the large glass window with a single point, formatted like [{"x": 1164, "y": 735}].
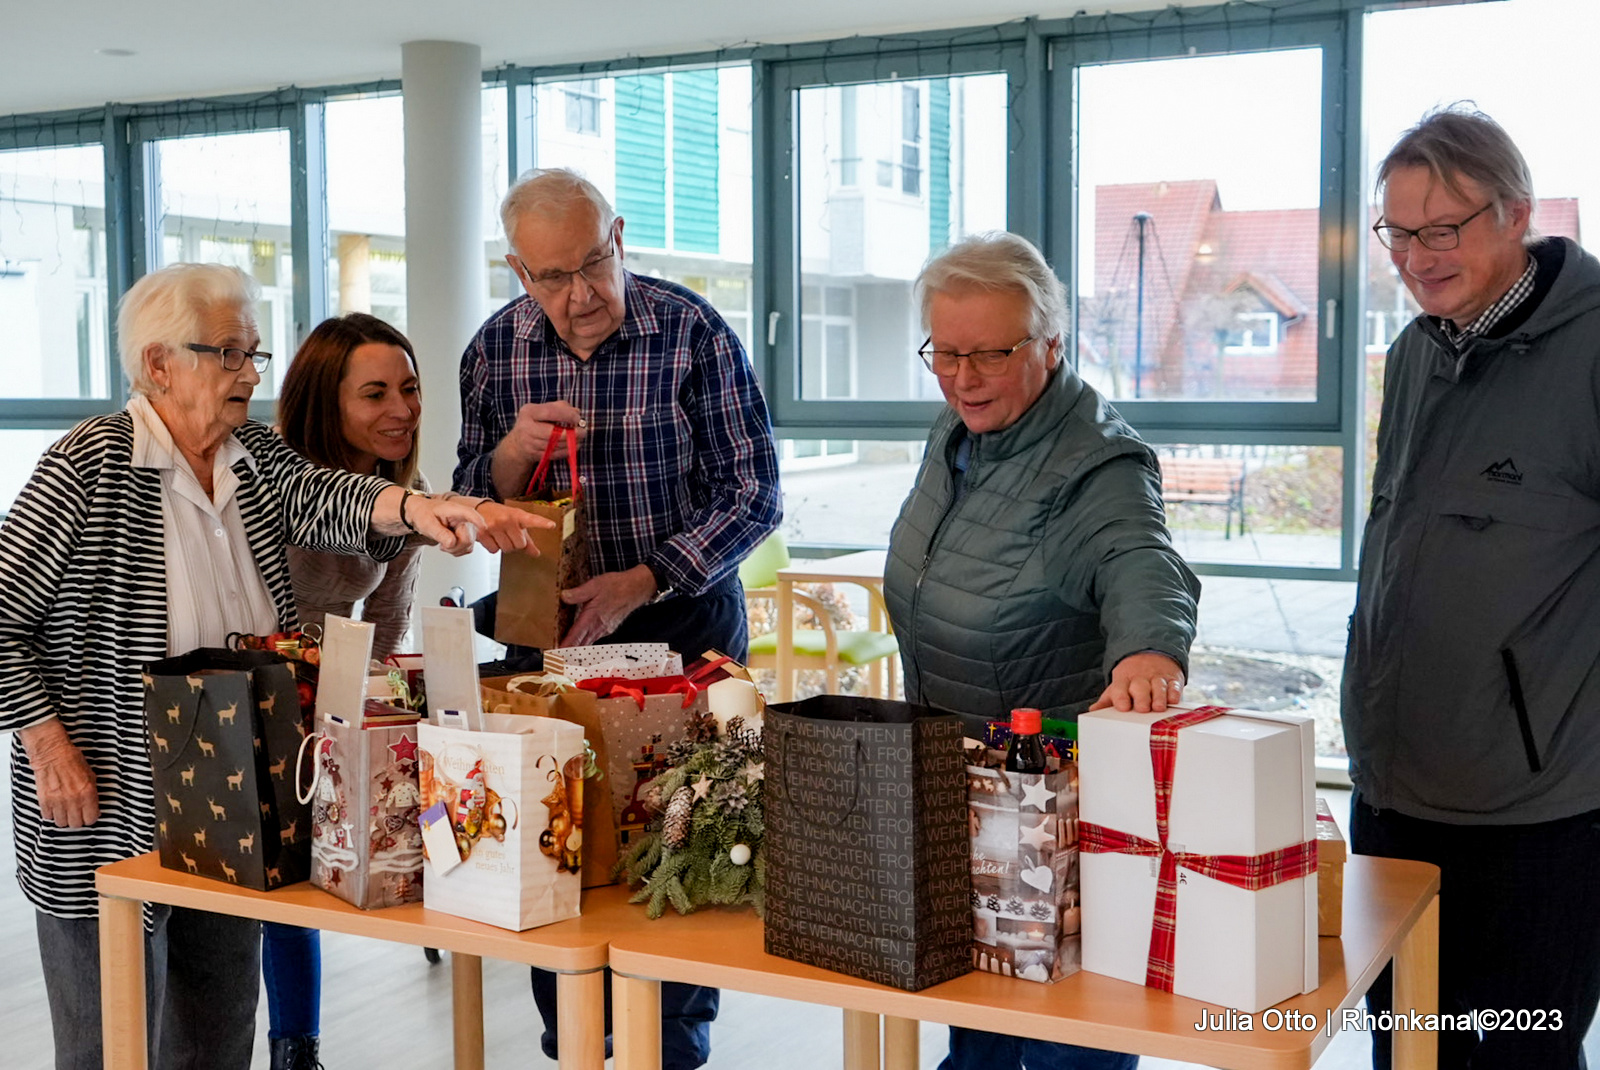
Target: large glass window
[
  {"x": 1197, "y": 251},
  {"x": 224, "y": 199},
  {"x": 1480, "y": 54},
  {"x": 936, "y": 149},
  {"x": 671, "y": 151},
  {"x": 53, "y": 334},
  {"x": 844, "y": 492}
]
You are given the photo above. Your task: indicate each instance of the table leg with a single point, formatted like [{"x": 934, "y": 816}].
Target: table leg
[
  {"x": 901, "y": 1037},
  {"x": 581, "y": 1020},
  {"x": 466, "y": 1004},
  {"x": 785, "y": 652},
  {"x": 1416, "y": 987},
  {"x": 635, "y": 1022},
  {"x": 860, "y": 1041},
  {"x": 122, "y": 995}
]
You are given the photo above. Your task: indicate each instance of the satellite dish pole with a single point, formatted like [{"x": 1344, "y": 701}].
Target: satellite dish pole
[{"x": 1141, "y": 220}]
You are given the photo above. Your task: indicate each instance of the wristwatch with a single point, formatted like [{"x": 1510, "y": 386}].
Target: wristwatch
[{"x": 662, "y": 592}]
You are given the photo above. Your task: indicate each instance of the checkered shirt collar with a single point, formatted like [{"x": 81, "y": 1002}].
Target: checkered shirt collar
[{"x": 1494, "y": 313}]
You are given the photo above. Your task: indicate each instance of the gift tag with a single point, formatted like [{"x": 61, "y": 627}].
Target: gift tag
[{"x": 439, "y": 838}]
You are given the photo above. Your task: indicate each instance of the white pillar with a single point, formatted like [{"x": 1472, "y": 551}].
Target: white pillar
[{"x": 445, "y": 273}]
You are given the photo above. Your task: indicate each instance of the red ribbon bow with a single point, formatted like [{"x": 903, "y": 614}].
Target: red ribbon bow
[
  {"x": 619, "y": 687},
  {"x": 1250, "y": 872}
]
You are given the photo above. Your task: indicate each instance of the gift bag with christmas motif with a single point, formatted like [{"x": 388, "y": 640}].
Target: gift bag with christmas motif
[
  {"x": 366, "y": 844},
  {"x": 500, "y": 840},
  {"x": 593, "y": 811},
  {"x": 530, "y": 611},
  {"x": 1024, "y": 826},
  {"x": 224, "y": 727}
]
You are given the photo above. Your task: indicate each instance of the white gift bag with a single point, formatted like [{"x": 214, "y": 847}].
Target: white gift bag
[{"x": 502, "y": 842}]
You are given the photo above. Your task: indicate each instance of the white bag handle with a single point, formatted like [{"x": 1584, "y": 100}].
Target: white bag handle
[{"x": 316, "y": 767}]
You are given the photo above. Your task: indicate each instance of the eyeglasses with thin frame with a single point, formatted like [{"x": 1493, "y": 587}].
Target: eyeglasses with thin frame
[
  {"x": 232, "y": 357},
  {"x": 1440, "y": 237},
  {"x": 944, "y": 362},
  {"x": 556, "y": 283}
]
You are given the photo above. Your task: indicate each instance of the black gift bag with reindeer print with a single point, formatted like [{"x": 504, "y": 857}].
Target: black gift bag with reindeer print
[{"x": 224, "y": 727}]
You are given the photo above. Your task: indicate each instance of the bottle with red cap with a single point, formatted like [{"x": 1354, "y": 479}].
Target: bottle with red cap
[{"x": 1025, "y": 753}]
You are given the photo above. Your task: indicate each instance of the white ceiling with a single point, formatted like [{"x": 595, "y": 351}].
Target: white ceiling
[{"x": 49, "y": 56}]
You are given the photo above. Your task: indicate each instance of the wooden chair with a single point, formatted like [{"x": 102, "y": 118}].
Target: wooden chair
[{"x": 828, "y": 648}]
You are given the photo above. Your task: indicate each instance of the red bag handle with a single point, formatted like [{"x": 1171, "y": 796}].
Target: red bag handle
[{"x": 543, "y": 468}]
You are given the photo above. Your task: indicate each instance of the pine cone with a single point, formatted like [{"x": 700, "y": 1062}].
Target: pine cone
[
  {"x": 675, "y": 825},
  {"x": 701, "y": 727}
]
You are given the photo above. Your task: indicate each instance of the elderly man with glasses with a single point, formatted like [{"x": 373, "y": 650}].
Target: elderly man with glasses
[
  {"x": 676, "y": 457},
  {"x": 1031, "y": 564},
  {"x": 1472, "y": 678}
]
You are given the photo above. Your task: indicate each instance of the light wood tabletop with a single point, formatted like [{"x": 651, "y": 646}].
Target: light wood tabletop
[
  {"x": 576, "y": 949},
  {"x": 1390, "y": 912},
  {"x": 864, "y": 568}
]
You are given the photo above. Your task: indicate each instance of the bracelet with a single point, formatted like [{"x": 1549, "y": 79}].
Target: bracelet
[{"x": 409, "y": 494}]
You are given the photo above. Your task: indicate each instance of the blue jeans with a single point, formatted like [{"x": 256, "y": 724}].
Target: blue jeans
[
  {"x": 973, "y": 1049},
  {"x": 687, "y": 1012},
  {"x": 200, "y": 989},
  {"x": 1519, "y": 929},
  {"x": 291, "y": 966}
]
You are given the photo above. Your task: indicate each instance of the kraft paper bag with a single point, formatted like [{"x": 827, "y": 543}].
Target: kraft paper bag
[
  {"x": 866, "y": 841},
  {"x": 500, "y": 841},
  {"x": 224, "y": 727},
  {"x": 530, "y": 610}
]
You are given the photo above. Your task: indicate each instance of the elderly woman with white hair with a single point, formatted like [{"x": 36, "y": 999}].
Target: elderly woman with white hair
[
  {"x": 1031, "y": 565},
  {"x": 144, "y": 534}
]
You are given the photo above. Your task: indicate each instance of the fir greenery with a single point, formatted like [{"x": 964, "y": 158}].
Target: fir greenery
[{"x": 722, "y": 814}]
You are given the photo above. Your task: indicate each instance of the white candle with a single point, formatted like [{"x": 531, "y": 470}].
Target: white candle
[{"x": 732, "y": 698}]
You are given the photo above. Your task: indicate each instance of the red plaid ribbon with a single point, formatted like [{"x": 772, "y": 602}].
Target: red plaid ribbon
[{"x": 1250, "y": 872}]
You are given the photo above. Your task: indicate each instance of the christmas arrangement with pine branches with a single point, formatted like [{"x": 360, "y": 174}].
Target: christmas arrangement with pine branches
[{"x": 706, "y": 849}]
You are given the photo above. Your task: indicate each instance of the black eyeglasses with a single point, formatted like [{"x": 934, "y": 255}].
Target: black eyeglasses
[
  {"x": 233, "y": 358},
  {"x": 1440, "y": 237},
  {"x": 983, "y": 361},
  {"x": 556, "y": 283}
]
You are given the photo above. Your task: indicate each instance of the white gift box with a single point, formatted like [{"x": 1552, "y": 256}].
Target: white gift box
[
  {"x": 630, "y": 661},
  {"x": 1243, "y": 784}
]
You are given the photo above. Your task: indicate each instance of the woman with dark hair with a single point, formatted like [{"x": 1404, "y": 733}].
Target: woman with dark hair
[{"x": 350, "y": 400}]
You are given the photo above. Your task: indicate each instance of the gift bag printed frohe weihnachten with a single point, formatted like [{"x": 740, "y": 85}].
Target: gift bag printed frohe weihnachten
[{"x": 866, "y": 840}]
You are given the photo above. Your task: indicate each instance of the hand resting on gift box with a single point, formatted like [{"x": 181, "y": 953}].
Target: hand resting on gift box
[
  {"x": 1145, "y": 683},
  {"x": 63, "y": 781}
]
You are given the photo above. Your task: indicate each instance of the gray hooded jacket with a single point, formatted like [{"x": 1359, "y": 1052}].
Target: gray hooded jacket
[
  {"x": 1471, "y": 690},
  {"x": 1052, "y": 566}
]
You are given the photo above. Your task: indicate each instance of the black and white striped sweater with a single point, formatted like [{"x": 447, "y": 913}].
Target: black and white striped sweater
[{"x": 83, "y": 606}]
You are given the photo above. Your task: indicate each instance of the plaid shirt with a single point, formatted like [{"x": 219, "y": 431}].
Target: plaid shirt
[
  {"x": 1461, "y": 338},
  {"x": 678, "y": 469}
]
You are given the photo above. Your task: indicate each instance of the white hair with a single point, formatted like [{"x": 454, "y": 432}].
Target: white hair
[
  {"x": 998, "y": 260},
  {"x": 167, "y": 308},
  {"x": 550, "y": 190}
]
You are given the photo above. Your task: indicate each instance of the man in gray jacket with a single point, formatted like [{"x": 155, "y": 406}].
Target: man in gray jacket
[{"x": 1471, "y": 689}]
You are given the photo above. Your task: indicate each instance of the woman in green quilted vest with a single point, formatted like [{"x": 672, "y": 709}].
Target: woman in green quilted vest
[{"x": 1031, "y": 564}]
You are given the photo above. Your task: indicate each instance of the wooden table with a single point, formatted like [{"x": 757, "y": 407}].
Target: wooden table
[
  {"x": 576, "y": 950},
  {"x": 865, "y": 568},
  {"x": 1391, "y": 911}
]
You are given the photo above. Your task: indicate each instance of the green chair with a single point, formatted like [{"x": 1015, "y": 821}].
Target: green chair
[{"x": 828, "y": 648}]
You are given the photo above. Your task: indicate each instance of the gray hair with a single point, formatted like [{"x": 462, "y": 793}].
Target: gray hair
[
  {"x": 168, "y": 307},
  {"x": 998, "y": 260},
  {"x": 549, "y": 190},
  {"x": 1459, "y": 141}
]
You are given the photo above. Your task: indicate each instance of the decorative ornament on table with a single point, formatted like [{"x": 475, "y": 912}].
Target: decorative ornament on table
[{"x": 707, "y": 850}]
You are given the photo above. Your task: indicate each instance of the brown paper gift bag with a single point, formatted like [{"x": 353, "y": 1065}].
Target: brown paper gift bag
[
  {"x": 531, "y": 612},
  {"x": 596, "y": 812}
]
